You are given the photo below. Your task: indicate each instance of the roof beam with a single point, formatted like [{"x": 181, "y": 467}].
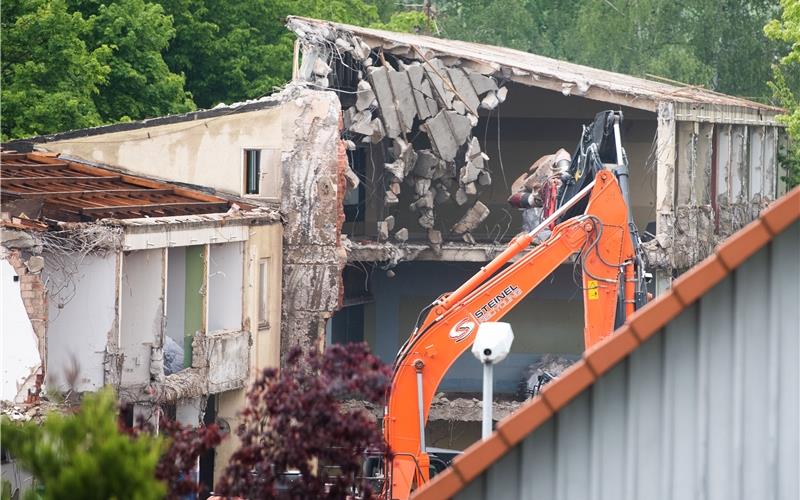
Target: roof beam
[
  {"x": 159, "y": 206},
  {"x": 34, "y": 165},
  {"x": 61, "y": 179},
  {"x": 89, "y": 192}
]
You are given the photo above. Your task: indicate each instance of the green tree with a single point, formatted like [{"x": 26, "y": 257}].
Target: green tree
[
  {"x": 140, "y": 84},
  {"x": 717, "y": 44},
  {"x": 49, "y": 76},
  {"x": 85, "y": 455},
  {"x": 786, "y": 81},
  {"x": 236, "y": 50}
]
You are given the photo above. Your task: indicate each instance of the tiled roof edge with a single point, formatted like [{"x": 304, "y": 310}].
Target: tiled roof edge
[{"x": 596, "y": 361}]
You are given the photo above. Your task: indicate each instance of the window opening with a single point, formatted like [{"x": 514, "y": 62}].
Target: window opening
[{"x": 252, "y": 170}]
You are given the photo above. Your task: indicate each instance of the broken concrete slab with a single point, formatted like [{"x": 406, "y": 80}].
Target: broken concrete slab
[
  {"x": 482, "y": 83},
  {"x": 390, "y": 199},
  {"x": 471, "y": 189},
  {"x": 378, "y": 132},
  {"x": 461, "y": 196},
  {"x": 464, "y": 89},
  {"x": 404, "y": 102},
  {"x": 401, "y": 235},
  {"x": 435, "y": 236},
  {"x": 396, "y": 168},
  {"x": 427, "y": 219},
  {"x": 423, "y": 202},
  {"x": 473, "y": 162},
  {"x": 421, "y": 89},
  {"x": 360, "y": 49},
  {"x": 426, "y": 164},
  {"x": 448, "y": 131},
  {"x": 502, "y": 92},
  {"x": 468, "y": 238},
  {"x": 383, "y": 231},
  {"x": 490, "y": 101},
  {"x": 361, "y": 123},
  {"x": 422, "y": 186},
  {"x": 436, "y": 73},
  {"x": 321, "y": 68},
  {"x": 389, "y": 222},
  {"x": 485, "y": 178},
  {"x": 474, "y": 216},
  {"x": 379, "y": 80},
  {"x": 365, "y": 97}
]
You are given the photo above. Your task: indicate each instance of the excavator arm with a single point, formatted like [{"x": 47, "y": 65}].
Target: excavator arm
[{"x": 603, "y": 242}]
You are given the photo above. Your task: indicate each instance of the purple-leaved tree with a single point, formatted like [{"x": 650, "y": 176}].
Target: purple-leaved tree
[{"x": 294, "y": 421}]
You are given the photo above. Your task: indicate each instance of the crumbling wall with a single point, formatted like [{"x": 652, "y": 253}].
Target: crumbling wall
[
  {"x": 713, "y": 178},
  {"x": 24, "y": 327},
  {"x": 419, "y": 111},
  {"x": 314, "y": 165}
]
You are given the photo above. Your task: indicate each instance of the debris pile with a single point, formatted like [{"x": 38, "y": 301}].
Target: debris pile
[
  {"x": 422, "y": 111},
  {"x": 546, "y": 368}
]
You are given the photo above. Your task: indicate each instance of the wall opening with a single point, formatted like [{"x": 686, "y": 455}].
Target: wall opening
[
  {"x": 141, "y": 311},
  {"x": 185, "y": 292},
  {"x": 226, "y": 263}
]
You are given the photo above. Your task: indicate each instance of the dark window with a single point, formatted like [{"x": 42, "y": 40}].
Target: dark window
[{"x": 252, "y": 170}]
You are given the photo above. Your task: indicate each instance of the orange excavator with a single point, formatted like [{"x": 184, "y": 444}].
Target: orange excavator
[{"x": 591, "y": 218}]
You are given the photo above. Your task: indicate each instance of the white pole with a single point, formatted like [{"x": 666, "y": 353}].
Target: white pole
[{"x": 488, "y": 389}]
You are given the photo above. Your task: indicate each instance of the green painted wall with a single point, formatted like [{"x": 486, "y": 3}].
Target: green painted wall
[{"x": 193, "y": 313}]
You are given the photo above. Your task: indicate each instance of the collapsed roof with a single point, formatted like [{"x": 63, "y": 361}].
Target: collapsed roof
[
  {"x": 522, "y": 67},
  {"x": 419, "y": 99},
  {"x": 38, "y": 185}
]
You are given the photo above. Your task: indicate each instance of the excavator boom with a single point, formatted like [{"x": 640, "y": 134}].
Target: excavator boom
[{"x": 602, "y": 239}]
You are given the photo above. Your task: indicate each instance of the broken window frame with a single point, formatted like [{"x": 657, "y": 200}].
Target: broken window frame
[
  {"x": 251, "y": 171},
  {"x": 263, "y": 292}
]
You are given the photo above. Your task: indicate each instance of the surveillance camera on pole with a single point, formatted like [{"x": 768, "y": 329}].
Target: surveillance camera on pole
[{"x": 492, "y": 345}]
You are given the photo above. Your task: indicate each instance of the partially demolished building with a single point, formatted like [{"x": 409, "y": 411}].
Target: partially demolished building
[
  {"x": 391, "y": 157},
  {"x": 160, "y": 291},
  {"x": 436, "y": 132}
]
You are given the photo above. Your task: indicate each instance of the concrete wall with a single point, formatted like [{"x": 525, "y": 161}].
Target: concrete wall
[
  {"x": 207, "y": 152},
  {"x": 82, "y": 327}
]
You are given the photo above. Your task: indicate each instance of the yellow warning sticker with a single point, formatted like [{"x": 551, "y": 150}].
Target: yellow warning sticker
[{"x": 592, "y": 291}]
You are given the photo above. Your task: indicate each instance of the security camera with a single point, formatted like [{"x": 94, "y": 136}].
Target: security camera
[{"x": 492, "y": 342}]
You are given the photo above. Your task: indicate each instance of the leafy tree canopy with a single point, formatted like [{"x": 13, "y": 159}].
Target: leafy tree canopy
[
  {"x": 50, "y": 77},
  {"x": 86, "y": 455},
  {"x": 786, "y": 81},
  {"x": 715, "y": 43}
]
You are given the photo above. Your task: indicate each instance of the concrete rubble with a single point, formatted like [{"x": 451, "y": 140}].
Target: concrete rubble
[{"x": 423, "y": 111}]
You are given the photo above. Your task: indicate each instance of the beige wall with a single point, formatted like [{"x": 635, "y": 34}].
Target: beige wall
[
  {"x": 207, "y": 152},
  {"x": 263, "y": 242}
]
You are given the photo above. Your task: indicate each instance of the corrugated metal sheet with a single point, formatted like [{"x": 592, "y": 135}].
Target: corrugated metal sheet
[{"x": 707, "y": 408}]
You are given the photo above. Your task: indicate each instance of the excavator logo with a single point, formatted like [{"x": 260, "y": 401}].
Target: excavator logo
[{"x": 462, "y": 330}]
